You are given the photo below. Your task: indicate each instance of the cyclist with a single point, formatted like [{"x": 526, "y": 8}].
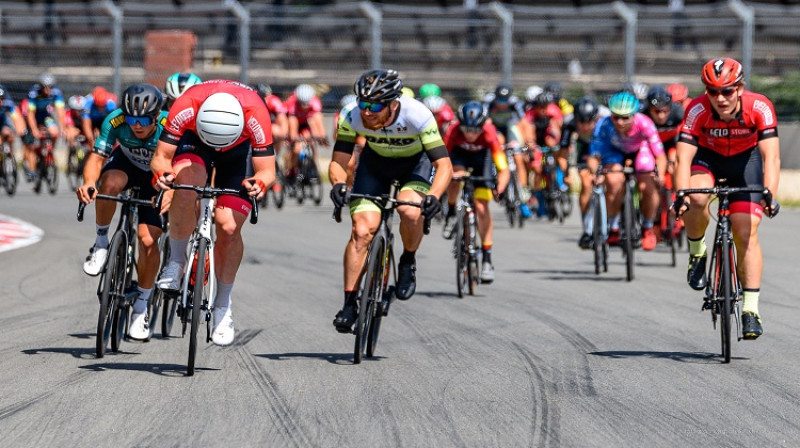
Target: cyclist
[
  {"x": 226, "y": 126},
  {"x": 628, "y": 136},
  {"x": 96, "y": 108},
  {"x": 507, "y": 113},
  {"x": 427, "y": 90},
  {"x": 442, "y": 112},
  {"x": 473, "y": 144},
  {"x": 12, "y": 121},
  {"x": 555, "y": 88},
  {"x": 305, "y": 120},
  {"x": 402, "y": 143},
  {"x": 277, "y": 115},
  {"x": 44, "y": 99},
  {"x": 176, "y": 84},
  {"x": 73, "y": 119},
  {"x": 120, "y": 160},
  {"x": 680, "y": 94},
  {"x": 581, "y": 127},
  {"x": 729, "y": 133},
  {"x": 546, "y": 120}
]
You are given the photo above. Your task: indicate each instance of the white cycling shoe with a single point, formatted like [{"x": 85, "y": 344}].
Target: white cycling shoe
[
  {"x": 223, "y": 332},
  {"x": 139, "y": 329},
  {"x": 170, "y": 279},
  {"x": 96, "y": 260}
]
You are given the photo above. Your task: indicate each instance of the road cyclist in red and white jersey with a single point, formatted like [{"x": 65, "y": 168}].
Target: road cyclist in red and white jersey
[
  {"x": 729, "y": 133},
  {"x": 224, "y": 123},
  {"x": 304, "y": 110},
  {"x": 473, "y": 144},
  {"x": 441, "y": 111}
]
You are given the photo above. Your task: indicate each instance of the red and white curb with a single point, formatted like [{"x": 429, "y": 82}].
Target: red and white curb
[{"x": 15, "y": 233}]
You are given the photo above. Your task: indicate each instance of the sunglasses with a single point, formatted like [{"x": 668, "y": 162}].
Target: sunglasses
[
  {"x": 726, "y": 92},
  {"x": 142, "y": 121},
  {"x": 372, "y": 107},
  {"x": 471, "y": 129},
  {"x": 621, "y": 117}
]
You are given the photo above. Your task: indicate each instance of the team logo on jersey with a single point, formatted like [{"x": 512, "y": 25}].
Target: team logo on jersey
[
  {"x": 180, "y": 119},
  {"x": 257, "y": 131},
  {"x": 393, "y": 141},
  {"x": 694, "y": 112},
  {"x": 117, "y": 121},
  {"x": 402, "y": 128},
  {"x": 766, "y": 112}
]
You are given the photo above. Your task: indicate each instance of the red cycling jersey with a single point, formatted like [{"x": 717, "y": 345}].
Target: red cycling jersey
[
  {"x": 454, "y": 138},
  {"x": 444, "y": 118},
  {"x": 755, "y": 121},
  {"x": 274, "y": 105},
  {"x": 553, "y": 112},
  {"x": 293, "y": 108},
  {"x": 257, "y": 125}
]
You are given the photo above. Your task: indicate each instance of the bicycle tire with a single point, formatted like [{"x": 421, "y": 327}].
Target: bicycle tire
[
  {"x": 109, "y": 289},
  {"x": 670, "y": 229},
  {"x": 597, "y": 233},
  {"x": 197, "y": 302},
  {"x": 10, "y": 176},
  {"x": 279, "y": 197},
  {"x": 170, "y": 310},
  {"x": 628, "y": 234},
  {"x": 366, "y": 306},
  {"x": 726, "y": 298},
  {"x": 51, "y": 175},
  {"x": 154, "y": 306},
  {"x": 461, "y": 258},
  {"x": 386, "y": 294},
  {"x": 472, "y": 265},
  {"x": 37, "y": 184},
  {"x": 119, "y": 319},
  {"x": 73, "y": 176}
]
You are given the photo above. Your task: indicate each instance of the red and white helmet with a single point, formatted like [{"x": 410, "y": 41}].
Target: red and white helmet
[
  {"x": 220, "y": 120},
  {"x": 722, "y": 72}
]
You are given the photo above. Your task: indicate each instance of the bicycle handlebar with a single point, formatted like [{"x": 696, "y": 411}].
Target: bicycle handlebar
[
  {"x": 122, "y": 198},
  {"x": 680, "y": 195},
  {"x": 382, "y": 202},
  {"x": 212, "y": 192}
]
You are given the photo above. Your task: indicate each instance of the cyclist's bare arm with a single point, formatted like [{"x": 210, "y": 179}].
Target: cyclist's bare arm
[
  {"x": 162, "y": 163},
  {"x": 771, "y": 155},
  {"x": 91, "y": 173},
  {"x": 294, "y": 126},
  {"x": 264, "y": 168},
  {"x": 685, "y": 153},
  {"x": 337, "y": 170},
  {"x": 32, "y": 124},
  {"x": 315, "y": 123},
  {"x": 19, "y": 123},
  {"x": 86, "y": 126},
  {"x": 61, "y": 117},
  {"x": 441, "y": 180}
]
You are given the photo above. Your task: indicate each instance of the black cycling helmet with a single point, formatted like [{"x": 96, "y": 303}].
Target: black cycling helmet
[
  {"x": 142, "y": 100},
  {"x": 544, "y": 99},
  {"x": 379, "y": 86},
  {"x": 586, "y": 109},
  {"x": 264, "y": 90},
  {"x": 503, "y": 92},
  {"x": 555, "y": 88},
  {"x": 473, "y": 114},
  {"x": 658, "y": 96}
]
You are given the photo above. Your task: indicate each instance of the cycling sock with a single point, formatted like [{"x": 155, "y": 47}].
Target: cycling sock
[
  {"x": 750, "y": 304},
  {"x": 102, "y": 236},
  {"x": 613, "y": 222},
  {"x": 178, "y": 250},
  {"x": 350, "y": 297},
  {"x": 451, "y": 210},
  {"x": 140, "y": 305},
  {"x": 647, "y": 223},
  {"x": 223, "y": 298},
  {"x": 487, "y": 254},
  {"x": 697, "y": 248},
  {"x": 408, "y": 257}
]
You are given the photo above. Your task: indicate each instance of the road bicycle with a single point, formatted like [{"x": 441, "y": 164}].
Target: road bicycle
[
  {"x": 599, "y": 220},
  {"x": 278, "y": 190},
  {"x": 723, "y": 294},
  {"x": 375, "y": 291},
  {"x": 8, "y": 169},
  {"x": 76, "y": 158},
  {"x": 198, "y": 287},
  {"x": 45, "y": 170},
  {"x": 557, "y": 199},
  {"x": 117, "y": 288},
  {"x": 513, "y": 198},
  {"x": 465, "y": 243},
  {"x": 631, "y": 228},
  {"x": 307, "y": 184}
]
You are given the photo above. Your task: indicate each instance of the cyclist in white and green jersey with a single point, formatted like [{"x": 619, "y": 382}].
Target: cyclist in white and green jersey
[{"x": 402, "y": 143}]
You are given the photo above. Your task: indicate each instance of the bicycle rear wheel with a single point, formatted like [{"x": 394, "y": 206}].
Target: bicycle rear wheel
[
  {"x": 198, "y": 299},
  {"x": 366, "y": 297},
  {"x": 170, "y": 310},
  {"x": 51, "y": 175},
  {"x": 9, "y": 170},
  {"x": 669, "y": 229},
  {"x": 726, "y": 300},
  {"x": 460, "y": 249},
  {"x": 383, "y": 297},
  {"x": 628, "y": 234},
  {"x": 73, "y": 166},
  {"x": 112, "y": 288},
  {"x": 598, "y": 240},
  {"x": 472, "y": 264}
]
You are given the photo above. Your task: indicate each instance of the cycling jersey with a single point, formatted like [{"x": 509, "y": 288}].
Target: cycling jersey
[
  {"x": 43, "y": 107},
  {"x": 668, "y": 132},
  {"x": 8, "y": 110},
  {"x": 642, "y": 142},
  {"x": 542, "y": 122},
  {"x": 755, "y": 121},
  {"x": 115, "y": 130},
  {"x": 294, "y": 109},
  {"x": 582, "y": 142},
  {"x": 486, "y": 142},
  {"x": 414, "y": 130},
  {"x": 275, "y": 106},
  {"x": 444, "y": 118},
  {"x": 257, "y": 125},
  {"x": 505, "y": 118},
  {"x": 95, "y": 113}
]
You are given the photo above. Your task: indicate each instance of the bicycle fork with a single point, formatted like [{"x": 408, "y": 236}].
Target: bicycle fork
[{"x": 589, "y": 217}]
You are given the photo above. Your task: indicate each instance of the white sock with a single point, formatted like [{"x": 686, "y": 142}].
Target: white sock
[
  {"x": 223, "y": 298},
  {"x": 140, "y": 305},
  {"x": 613, "y": 222},
  {"x": 101, "y": 240},
  {"x": 178, "y": 250}
]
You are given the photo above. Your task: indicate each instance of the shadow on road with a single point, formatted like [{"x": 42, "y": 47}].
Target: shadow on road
[
  {"x": 75, "y": 352},
  {"x": 570, "y": 274},
  {"x": 695, "y": 358},
  {"x": 172, "y": 370},
  {"x": 437, "y": 294},
  {"x": 333, "y": 358}
]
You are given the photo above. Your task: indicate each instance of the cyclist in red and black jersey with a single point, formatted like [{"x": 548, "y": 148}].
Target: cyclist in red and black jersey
[{"x": 732, "y": 134}]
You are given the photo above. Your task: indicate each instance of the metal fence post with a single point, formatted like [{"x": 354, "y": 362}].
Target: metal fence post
[
  {"x": 507, "y": 17},
  {"x": 748, "y": 17},
  {"x": 116, "y": 54},
  {"x": 243, "y": 15},
  {"x": 376, "y": 18},
  {"x": 630, "y": 16}
]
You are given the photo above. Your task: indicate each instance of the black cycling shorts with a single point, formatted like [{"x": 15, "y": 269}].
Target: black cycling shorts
[
  {"x": 480, "y": 162},
  {"x": 136, "y": 178},
  {"x": 745, "y": 169},
  {"x": 375, "y": 174}
]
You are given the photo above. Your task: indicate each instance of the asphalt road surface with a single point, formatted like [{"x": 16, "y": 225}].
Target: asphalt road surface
[{"x": 550, "y": 355}]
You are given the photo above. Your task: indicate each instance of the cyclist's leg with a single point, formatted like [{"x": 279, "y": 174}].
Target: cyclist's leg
[
  {"x": 191, "y": 165},
  {"x": 614, "y": 183},
  {"x": 414, "y": 187},
  {"x": 52, "y": 131}
]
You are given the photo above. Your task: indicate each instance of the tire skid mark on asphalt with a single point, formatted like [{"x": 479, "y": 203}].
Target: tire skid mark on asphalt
[
  {"x": 446, "y": 415},
  {"x": 545, "y": 418},
  {"x": 435, "y": 344},
  {"x": 13, "y": 409},
  {"x": 583, "y": 346},
  {"x": 283, "y": 413},
  {"x": 393, "y": 432}
]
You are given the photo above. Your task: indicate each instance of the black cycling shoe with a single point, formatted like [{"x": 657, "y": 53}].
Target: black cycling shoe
[
  {"x": 345, "y": 318},
  {"x": 406, "y": 280},
  {"x": 696, "y": 277},
  {"x": 751, "y": 326},
  {"x": 585, "y": 242}
]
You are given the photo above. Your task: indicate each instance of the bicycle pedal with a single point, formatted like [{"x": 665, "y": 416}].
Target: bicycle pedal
[{"x": 707, "y": 305}]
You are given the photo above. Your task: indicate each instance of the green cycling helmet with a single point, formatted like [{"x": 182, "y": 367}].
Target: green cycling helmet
[
  {"x": 623, "y": 103},
  {"x": 429, "y": 90}
]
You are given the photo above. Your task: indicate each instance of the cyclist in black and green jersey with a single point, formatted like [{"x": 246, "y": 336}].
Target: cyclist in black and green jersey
[
  {"x": 402, "y": 143},
  {"x": 136, "y": 127}
]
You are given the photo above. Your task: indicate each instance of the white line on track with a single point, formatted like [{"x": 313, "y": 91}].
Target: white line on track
[{"x": 15, "y": 233}]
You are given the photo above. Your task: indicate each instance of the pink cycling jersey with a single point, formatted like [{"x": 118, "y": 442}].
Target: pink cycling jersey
[{"x": 642, "y": 139}]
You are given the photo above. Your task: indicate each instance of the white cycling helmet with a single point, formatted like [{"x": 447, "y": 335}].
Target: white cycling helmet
[
  {"x": 532, "y": 92},
  {"x": 347, "y": 99},
  {"x": 77, "y": 102},
  {"x": 220, "y": 120},
  {"x": 434, "y": 102},
  {"x": 304, "y": 93},
  {"x": 177, "y": 83}
]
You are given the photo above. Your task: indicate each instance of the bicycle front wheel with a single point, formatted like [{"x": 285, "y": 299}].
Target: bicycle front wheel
[
  {"x": 366, "y": 296},
  {"x": 9, "y": 170},
  {"x": 73, "y": 167},
  {"x": 472, "y": 265},
  {"x": 628, "y": 236},
  {"x": 598, "y": 240},
  {"x": 460, "y": 249},
  {"x": 726, "y": 300},
  {"x": 198, "y": 299},
  {"x": 51, "y": 175},
  {"x": 113, "y": 280}
]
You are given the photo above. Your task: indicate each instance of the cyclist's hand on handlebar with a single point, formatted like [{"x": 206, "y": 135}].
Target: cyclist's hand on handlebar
[
  {"x": 322, "y": 141},
  {"x": 431, "y": 206},
  {"x": 86, "y": 193},
  {"x": 255, "y": 187},
  {"x": 771, "y": 206},
  {"x": 339, "y": 194},
  {"x": 163, "y": 180},
  {"x": 680, "y": 206}
]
